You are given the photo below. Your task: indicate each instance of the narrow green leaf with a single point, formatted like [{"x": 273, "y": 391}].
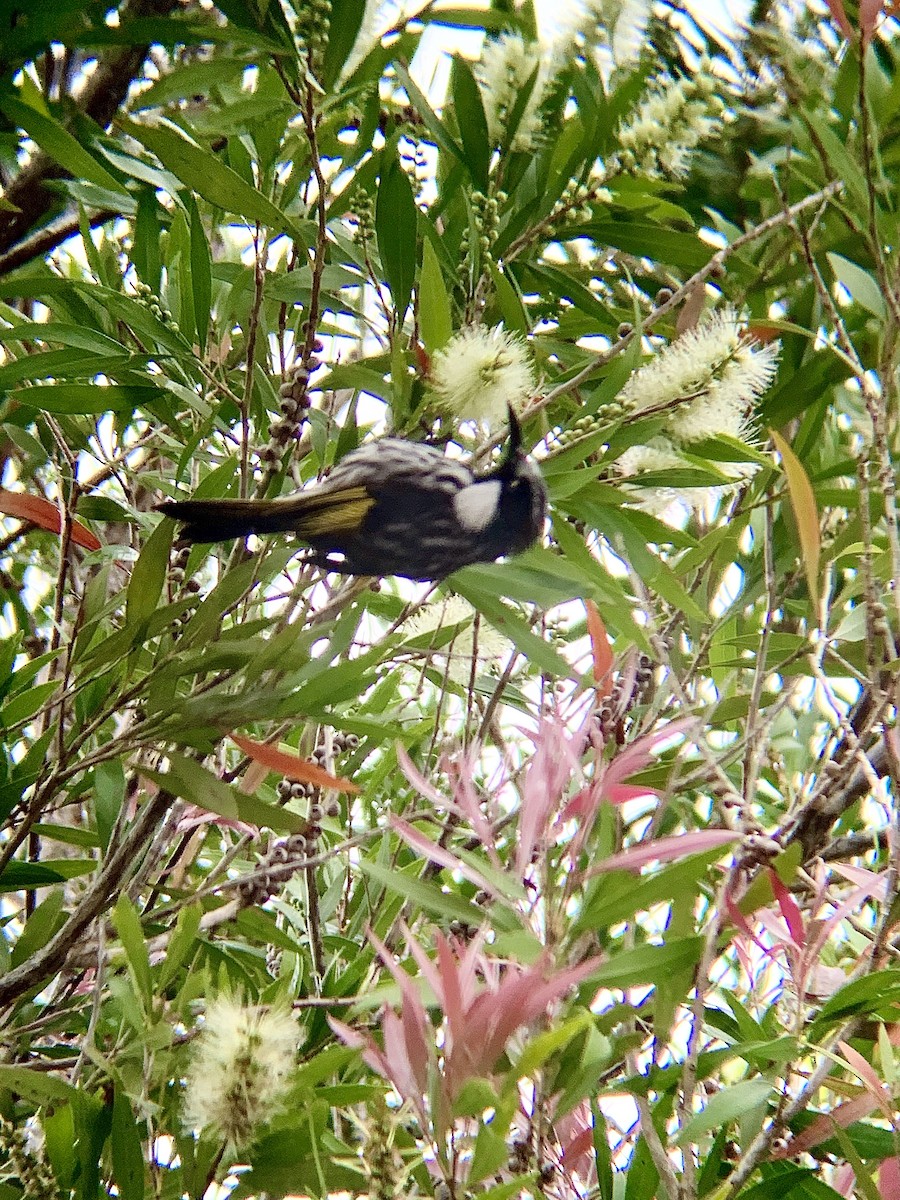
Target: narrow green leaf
[
  {"x": 38, "y": 1086},
  {"x": 207, "y": 175},
  {"x": 73, "y": 398},
  {"x": 126, "y": 1148},
  {"x": 806, "y": 513},
  {"x": 421, "y": 893},
  {"x": 345, "y": 21},
  {"x": 860, "y": 283},
  {"x": 109, "y": 796},
  {"x": 435, "y": 319},
  {"x": 395, "y": 227},
  {"x": 145, "y": 253},
  {"x": 432, "y": 121},
  {"x": 472, "y": 122},
  {"x": 508, "y": 622},
  {"x": 59, "y": 144},
  {"x": 201, "y": 275},
  {"x": 490, "y": 1153},
  {"x": 648, "y": 964},
  {"x": 181, "y": 943},
  {"x": 508, "y": 300},
  {"x": 131, "y": 935},
  {"x": 191, "y": 781},
  {"x": 727, "y": 1105},
  {"x": 148, "y": 576},
  {"x": 17, "y": 875}
]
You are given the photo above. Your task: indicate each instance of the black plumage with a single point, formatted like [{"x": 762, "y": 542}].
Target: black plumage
[{"x": 392, "y": 507}]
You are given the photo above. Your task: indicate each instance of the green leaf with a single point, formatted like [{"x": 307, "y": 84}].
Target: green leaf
[
  {"x": 201, "y": 275},
  {"x": 345, "y": 21},
  {"x": 181, "y": 944},
  {"x": 422, "y": 894},
  {"x": 18, "y": 875},
  {"x": 126, "y": 1148},
  {"x": 206, "y": 174},
  {"x": 435, "y": 319},
  {"x": 37, "y": 1086},
  {"x": 26, "y": 704},
  {"x": 148, "y": 576},
  {"x": 727, "y": 1105},
  {"x": 861, "y": 284},
  {"x": 192, "y": 782},
  {"x": 489, "y": 1155},
  {"x": 396, "y": 220},
  {"x": 131, "y": 934},
  {"x": 59, "y": 144},
  {"x": 648, "y": 964},
  {"x": 504, "y": 619},
  {"x": 806, "y": 512},
  {"x": 74, "y": 398},
  {"x": 432, "y": 122},
  {"x": 472, "y": 122},
  {"x": 109, "y": 796},
  {"x": 508, "y": 300}
]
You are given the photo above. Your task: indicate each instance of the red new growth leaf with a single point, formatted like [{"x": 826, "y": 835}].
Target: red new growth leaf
[
  {"x": 291, "y": 766},
  {"x": 600, "y": 648},
  {"x": 45, "y": 515},
  {"x": 836, "y": 9}
]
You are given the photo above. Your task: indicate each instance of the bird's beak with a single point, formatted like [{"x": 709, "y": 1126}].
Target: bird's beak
[{"x": 514, "y": 448}]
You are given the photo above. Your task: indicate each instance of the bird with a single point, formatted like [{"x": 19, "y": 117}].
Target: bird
[{"x": 392, "y": 507}]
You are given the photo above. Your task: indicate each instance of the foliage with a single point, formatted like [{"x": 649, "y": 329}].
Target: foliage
[{"x": 579, "y": 871}]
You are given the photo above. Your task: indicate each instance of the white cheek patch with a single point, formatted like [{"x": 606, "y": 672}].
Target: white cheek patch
[{"x": 476, "y": 504}]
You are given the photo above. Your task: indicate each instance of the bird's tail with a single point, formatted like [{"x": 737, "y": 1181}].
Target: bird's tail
[
  {"x": 221, "y": 520},
  {"x": 311, "y": 514}
]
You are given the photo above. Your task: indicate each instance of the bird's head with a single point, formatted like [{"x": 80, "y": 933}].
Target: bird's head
[{"x": 523, "y": 499}]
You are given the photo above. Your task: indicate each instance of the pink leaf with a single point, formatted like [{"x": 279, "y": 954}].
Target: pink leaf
[
  {"x": 869, "y": 12},
  {"x": 823, "y": 1126},
  {"x": 789, "y": 909},
  {"x": 553, "y": 763},
  {"x": 873, "y": 1084},
  {"x": 431, "y": 850},
  {"x": 664, "y": 850},
  {"x": 416, "y": 778},
  {"x": 836, "y": 9},
  {"x": 621, "y": 793},
  {"x": 889, "y": 1179}
]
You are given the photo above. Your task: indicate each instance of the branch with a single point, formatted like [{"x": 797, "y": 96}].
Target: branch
[
  {"x": 103, "y": 93},
  {"x": 52, "y": 958}
]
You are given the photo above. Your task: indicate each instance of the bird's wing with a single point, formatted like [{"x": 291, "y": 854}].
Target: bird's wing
[{"x": 323, "y": 513}]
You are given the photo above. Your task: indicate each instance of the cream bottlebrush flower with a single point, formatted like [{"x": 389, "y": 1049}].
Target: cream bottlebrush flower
[
  {"x": 480, "y": 371},
  {"x": 706, "y": 383},
  {"x": 507, "y": 64},
  {"x": 662, "y": 455},
  {"x": 240, "y": 1068},
  {"x": 488, "y": 645},
  {"x": 671, "y": 120},
  {"x": 711, "y": 376}
]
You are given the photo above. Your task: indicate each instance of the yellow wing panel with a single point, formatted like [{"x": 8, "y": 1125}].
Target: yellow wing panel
[{"x": 334, "y": 513}]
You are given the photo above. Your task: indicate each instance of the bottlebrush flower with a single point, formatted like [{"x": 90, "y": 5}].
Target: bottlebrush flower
[
  {"x": 480, "y": 372},
  {"x": 670, "y": 121},
  {"x": 488, "y": 645},
  {"x": 240, "y": 1069},
  {"x": 706, "y": 383},
  {"x": 507, "y": 64}
]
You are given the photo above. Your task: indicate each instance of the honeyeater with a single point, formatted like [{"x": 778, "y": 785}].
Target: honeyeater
[{"x": 392, "y": 507}]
